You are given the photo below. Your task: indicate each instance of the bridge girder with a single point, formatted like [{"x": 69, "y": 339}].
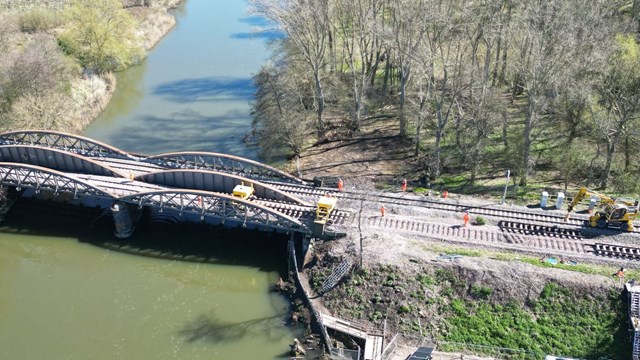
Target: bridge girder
[
  {"x": 218, "y": 182},
  {"x": 176, "y": 160},
  {"x": 54, "y": 159},
  {"x": 217, "y": 205},
  {"x": 40, "y": 178},
  {"x": 62, "y": 141},
  {"x": 222, "y": 162}
]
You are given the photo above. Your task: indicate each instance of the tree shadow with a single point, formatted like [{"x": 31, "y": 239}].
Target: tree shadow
[
  {"x": 268, "y": 35},
  {"x": 206, "y": 89},
  {"x": 211, "y": 329},
  {"x": 186, "y": 130}
]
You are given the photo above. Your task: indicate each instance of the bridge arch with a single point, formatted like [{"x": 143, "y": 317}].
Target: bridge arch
[
  {"x": 41, "y": 178},
  {"x": 54, "y": 159},
  {"x": 228, "y": 163},
  {"x": 62, "y": 141},
  {"x": 225, "y": 207},
  {"x": 215, "y": 181}
]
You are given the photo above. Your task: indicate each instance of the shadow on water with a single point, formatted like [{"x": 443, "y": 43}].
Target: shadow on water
[
  {"x": 206, "y": 90},
  {"x": 256, "y": 21},
  {"x": 268, "y": 35},
  {"x": 180, "y": 241},
  {"x": 212, "y": 329},
  {"x": 192, "y": 125}
]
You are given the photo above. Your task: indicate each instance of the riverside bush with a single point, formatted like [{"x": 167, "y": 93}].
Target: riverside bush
[{"x": 39, "y": 20}]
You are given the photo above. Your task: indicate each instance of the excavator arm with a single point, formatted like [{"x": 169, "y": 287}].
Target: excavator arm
[
  {"x": 582, "y": 193},
  {"x": 576, "y": 199}
]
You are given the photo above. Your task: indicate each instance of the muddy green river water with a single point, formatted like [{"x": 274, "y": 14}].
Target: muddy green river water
[{"x": 65, "y": 296}]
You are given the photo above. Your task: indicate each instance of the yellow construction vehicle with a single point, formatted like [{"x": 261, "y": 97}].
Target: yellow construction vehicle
[
  {"x": 326, "y": 204},
  {"x": 616, "y": 212}
]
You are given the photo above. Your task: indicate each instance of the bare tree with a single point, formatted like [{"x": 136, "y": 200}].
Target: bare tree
[
  {"x": 306, "y": 24},
  {"x": 549, "y": 37},
  {"x": 404, "y": 35},
  {"x": 619, "y": 93},
  {"x": 39, "y": 69},
  {"x": 280, "y": 120},
  {"x": 356, "y": 29}
]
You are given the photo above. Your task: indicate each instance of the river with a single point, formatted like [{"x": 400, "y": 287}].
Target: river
[{"x": 63, "y": 295}]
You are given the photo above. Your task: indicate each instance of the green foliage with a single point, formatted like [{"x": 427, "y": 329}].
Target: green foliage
[
  {"x": 425, "y": 280},
  {"x": 101, "y": 35},
  {"x": 558, "y": 323},
  {"x": 39, "y": 20},
  {"x": 404, "y": 309},
  {"x": 480, "y": 220},
  {"x": 481, "y": 292}
]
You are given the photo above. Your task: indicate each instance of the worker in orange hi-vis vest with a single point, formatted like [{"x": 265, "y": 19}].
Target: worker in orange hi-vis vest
[
  {"x": 340, "y": 184},
  {"x": 404, "y": 185},
  {"x": 445, "y": 194},
  {"x": 465, "y": 218},
  {"x": 382, "y": 210}
]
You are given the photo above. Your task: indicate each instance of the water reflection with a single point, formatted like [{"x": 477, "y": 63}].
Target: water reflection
[{"x": 131, "y": 90}]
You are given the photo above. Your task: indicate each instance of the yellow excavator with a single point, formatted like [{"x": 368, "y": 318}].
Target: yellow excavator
[{"x": 615, "y": 212}]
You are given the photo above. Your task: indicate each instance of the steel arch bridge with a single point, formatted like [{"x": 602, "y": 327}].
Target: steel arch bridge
[
  {"x": 218, "y": 182},
  {"x": 226, "y": 208},
  {"x": 222, "y": 162},
  {"x": 55, "y": 159},
  {"x": 221, "y": 206},
  {"x": 176, "y": 160},
  {"x": 62, "y": 141},
  {"x": 40, "y": 178}
]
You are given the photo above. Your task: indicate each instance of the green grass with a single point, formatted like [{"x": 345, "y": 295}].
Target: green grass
[
  {"x": 591, "y": 269},
  {"x": 556, "y": 323}
]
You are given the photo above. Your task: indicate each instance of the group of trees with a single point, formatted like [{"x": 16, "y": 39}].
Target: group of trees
[
  {"x": 523, "y": 84},
  {"x": 44, "y": 50}
]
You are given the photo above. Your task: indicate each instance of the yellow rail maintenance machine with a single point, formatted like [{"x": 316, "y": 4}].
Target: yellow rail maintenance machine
[
  {"x": 243, "y": 191},
  {"x": 615, "y": 212},
  {"x": 326, "y": 204}
]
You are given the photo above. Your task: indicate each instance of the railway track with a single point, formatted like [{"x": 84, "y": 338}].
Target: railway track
[
  {"x": 536, "y": 242},
  {"x": 491, "y": 211},
  {"x": 617, "y": 251},
  {"x": 542, "y": 230}
]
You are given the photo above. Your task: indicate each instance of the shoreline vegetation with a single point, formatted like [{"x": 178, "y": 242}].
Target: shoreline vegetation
[{"x": 49, "y": 80}]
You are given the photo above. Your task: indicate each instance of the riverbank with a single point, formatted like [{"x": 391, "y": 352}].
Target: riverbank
[
  {"x": 66, "y": 98},
  {"x": 474, "y": 304}
]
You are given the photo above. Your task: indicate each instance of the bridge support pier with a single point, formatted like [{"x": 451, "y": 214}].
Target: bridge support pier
[
  {"x": 307, "y": 250},
  {"x": 123, "y": 220},
  {"x": 299, "y": 244}
]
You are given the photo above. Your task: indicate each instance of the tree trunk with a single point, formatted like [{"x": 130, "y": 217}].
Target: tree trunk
[
  {"x": 403, "y": 96},
  {"x": 627, "y": 154},
  {"x": 387, "y": 74},
  {"x": 611, "y": 149},
  {"x": 439, "y": 134},
  {"x": 526, "y": 151},
  {"x": 416, "y": 152},
  {"x": 319, "y": 103},
  {"x": 505, "y": 128},
  {"x": 494, "y": 75}
]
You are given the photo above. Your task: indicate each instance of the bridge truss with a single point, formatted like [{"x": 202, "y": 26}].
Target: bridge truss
[
  {"x": 63, "y": 141},
  {"x": 222, "y": 162},
  {"x": 217, "y": 205},
  {"x": 176, "y": 160},
  {"x": 40, "y": 178}
]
